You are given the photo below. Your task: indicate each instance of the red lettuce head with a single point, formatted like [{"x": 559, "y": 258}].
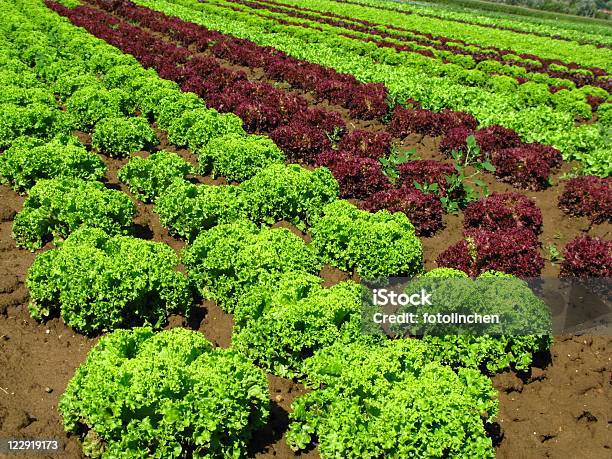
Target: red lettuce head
[
  {"x": 513, "y": 251},
  {"x": 358, "y": 177},
  {"x": 301, "y": 143},
  {"x": 522, "y": 167},
  {"x": 424, "y": 210},
  {"x": 502, "y": 211},
  {"x": 588, "y": 196},
  {"x": 587, "y": 256},
  {"x": 367, "y": 144}
]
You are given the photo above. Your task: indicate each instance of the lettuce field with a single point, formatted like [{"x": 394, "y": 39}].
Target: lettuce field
[{"x": 197, "y": 197}]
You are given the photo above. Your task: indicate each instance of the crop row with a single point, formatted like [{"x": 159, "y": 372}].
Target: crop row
[
  {"x": 468, "y": 70},
  {"x": 427, "y": 217},
  {"x": 533, "y": 121},
  {"x": 137, "y": 280},
  {"x": 423, "y": 210},
  {"x": 402, "y": 123},
  {"x": 261, "y": 106},
  {"x": 540, "y": 27},
  {"x": 361, "y": 178},
  {"x": 377, "y": 26},
  {"x": 487, "y": 146},
  {"x": 365, "y": 101},
  {"x": 468, "y": 55},
  {"x": 588, "y": 55},
  {"x": 302, "y": 135},
  {"x": 252, "y": 190},
  {"x": 60, "y": 203}
]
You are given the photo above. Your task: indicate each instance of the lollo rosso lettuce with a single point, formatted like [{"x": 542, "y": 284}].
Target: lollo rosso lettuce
[
  {"x": 524, "y": 167},
  {"x": 513, "y": 251},
  {"x": 587, "y": 256},
  {"x": 357, "y": 176},
  {"x": 501, "y": 211},
  {"x": 301, "y": 142},
  {"x": 374, "y": 245},
  {"x": 98, "y": 282},
  {"x": 424, "y": 210},
  {"x": 368, "y": 144},
  {"x": 57, "y": 207},
  {"x": 490, "y": 139},
  {"x": 170, "y": 394},
  {"x": 406, "y": 121},
  {"x": 390, "y": 400},
  {"x": 427, "y": 172},
  {"x": 30, "y": 159},
  {"x": 588, "y": 196}
]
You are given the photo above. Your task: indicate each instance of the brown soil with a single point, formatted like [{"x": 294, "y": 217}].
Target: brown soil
[{"x": 560, "y": 411}]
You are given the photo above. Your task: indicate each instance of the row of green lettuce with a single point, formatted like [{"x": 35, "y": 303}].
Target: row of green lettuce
[
  {"x": 170, "y": 394},
  {"x": 283, "y": 316},
  {"x": 288, "y": 324},
  {"x": 167, "y": 394},
  {"x": 461, "y": 60},
  {"x": 491, "y": 75},
  {"x": 565, "y": 18},
  {"x": 591, "y": 31},
  {"x": 483, "y": 37},
  {"x": 586, "y": 143}
]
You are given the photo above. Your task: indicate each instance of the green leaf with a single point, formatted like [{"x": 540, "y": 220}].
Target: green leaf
[
  {"x": 479, "y": 183},
  {"x": 488, "y": 166}
]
